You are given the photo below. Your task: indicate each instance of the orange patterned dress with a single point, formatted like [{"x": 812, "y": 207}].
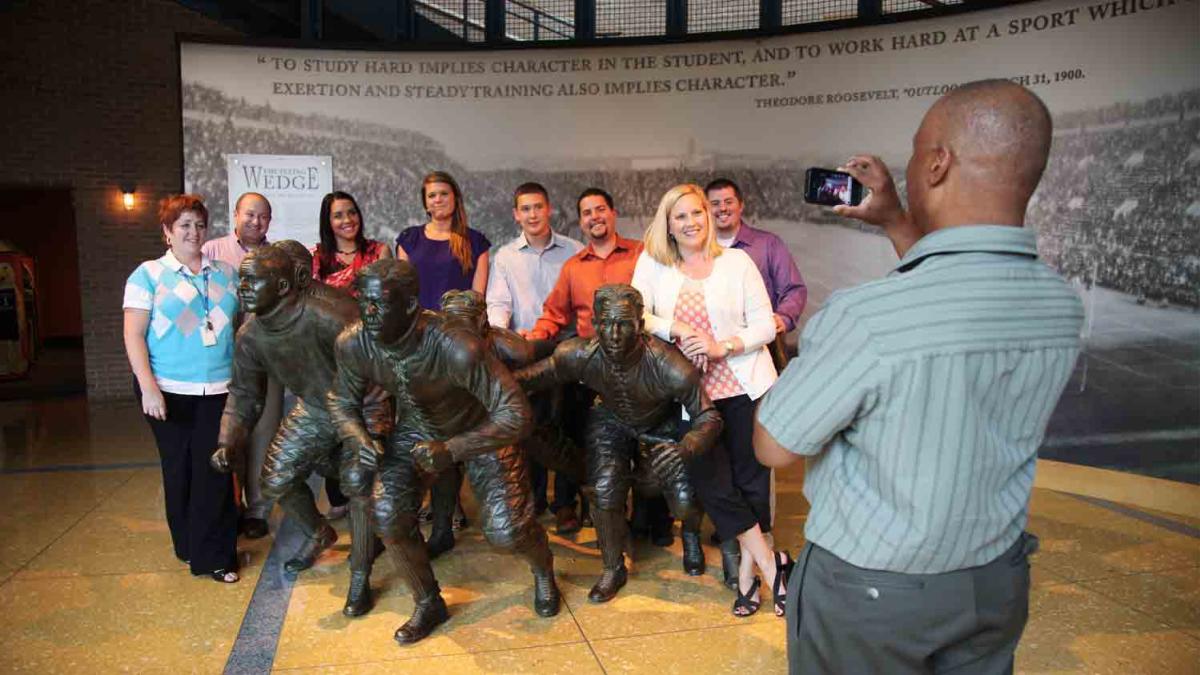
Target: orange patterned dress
[{"x": 719, "y": 380}]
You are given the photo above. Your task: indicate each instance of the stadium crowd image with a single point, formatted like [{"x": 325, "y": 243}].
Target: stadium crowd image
[{"x": 573, "y": 336}]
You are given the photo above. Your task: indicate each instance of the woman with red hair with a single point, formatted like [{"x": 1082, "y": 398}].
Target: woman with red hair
[{"x": 178, "y": 330}]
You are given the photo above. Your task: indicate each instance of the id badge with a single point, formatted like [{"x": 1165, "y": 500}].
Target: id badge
[{"x": 208, "y": 336}]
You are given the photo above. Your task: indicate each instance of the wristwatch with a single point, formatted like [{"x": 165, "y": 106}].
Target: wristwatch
[{"x": 728, "y": 345}]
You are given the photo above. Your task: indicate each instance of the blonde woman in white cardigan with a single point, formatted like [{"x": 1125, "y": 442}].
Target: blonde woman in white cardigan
[{"x": 713, "y": 304}]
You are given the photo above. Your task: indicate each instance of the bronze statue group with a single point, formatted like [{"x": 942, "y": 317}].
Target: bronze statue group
[{"x": 390, "y": 395}]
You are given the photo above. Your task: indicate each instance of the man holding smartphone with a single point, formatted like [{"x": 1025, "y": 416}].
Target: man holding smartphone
[{"x": 919, "y": 402}]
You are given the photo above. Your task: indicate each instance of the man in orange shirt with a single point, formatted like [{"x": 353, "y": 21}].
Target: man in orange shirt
[{"x": 607, "y": 258}]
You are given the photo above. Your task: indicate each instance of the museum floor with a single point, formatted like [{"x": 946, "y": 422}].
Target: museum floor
[{"x": 88, "y": 584}]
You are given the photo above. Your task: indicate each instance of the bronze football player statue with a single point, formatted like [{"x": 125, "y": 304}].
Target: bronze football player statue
[
  {"x": 547, "y": 444},
  {"x": 456, "y": 403},
  {"x": 642, "y": 381},
  {"x": 292, "y": 337}
]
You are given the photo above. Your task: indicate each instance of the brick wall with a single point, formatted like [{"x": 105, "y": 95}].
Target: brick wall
[{"x": 90, "y": 101}]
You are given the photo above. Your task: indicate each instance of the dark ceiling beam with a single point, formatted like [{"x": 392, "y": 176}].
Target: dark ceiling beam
[{"x": 253, "y": 17}]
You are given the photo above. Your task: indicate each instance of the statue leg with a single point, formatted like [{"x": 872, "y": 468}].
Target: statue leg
[
  {"x": 293, "y": 454},
  {"x": 358, "y": 483},
  {"x": 554, "y": 449},
  {"x": 609, "y": 447},
  {"x": 500, "y": 481},
  {"x": 443, "y": 497},
  {"x": 397, "y": 498},
  {"x": 680, "y": 495}
]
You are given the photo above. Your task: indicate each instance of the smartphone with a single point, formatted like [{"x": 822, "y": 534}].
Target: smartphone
[{"x": 830, "y": 188}]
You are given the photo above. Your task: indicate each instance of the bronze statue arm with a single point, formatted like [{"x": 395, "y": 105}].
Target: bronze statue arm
[
  {"x": 345, "y": 399},
  {"x": 509, "y": 416},
  {"x": 244, "y": 405},
  {"x": 560, "y": 367},
  {"x": 513, "y": 350},
  {"x": 706, "y": 421}
]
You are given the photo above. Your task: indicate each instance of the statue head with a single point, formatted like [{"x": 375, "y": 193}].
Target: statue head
[
  {"x": 617, "y": 317},
  {"x": 468, "y": 307},
  {"x": 267, "y": 276},
  {"x": 388, "y": 298},
  {"x": 301, "y": 259}
]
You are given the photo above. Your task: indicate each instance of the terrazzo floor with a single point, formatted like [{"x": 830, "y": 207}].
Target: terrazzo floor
[{"x": 88, "y": 583}]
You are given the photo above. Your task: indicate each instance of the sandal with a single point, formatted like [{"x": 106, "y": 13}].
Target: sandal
[
  {"x": 783, "y": 569},
  {"x": 224, "y": 576},
  {"x": 745, "y": 605}
]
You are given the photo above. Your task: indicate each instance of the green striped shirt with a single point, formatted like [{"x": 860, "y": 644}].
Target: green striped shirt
[{"x": 920, "y": 401}]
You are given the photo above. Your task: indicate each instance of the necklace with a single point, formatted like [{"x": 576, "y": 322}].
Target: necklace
[{"x": 351, "y": 252}]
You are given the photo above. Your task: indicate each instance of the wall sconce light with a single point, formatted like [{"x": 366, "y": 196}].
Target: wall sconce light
[{"x": 127, "y": 199}]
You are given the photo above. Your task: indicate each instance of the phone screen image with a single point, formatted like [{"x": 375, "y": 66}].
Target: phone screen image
[
  {"x": 836, "y": 188},
  {"x": 830, "y": 188}
]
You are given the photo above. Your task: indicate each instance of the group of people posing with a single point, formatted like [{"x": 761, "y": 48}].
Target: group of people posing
[
  {"x": 623, "y": 366},
  {"x": 918, "y": 400}
]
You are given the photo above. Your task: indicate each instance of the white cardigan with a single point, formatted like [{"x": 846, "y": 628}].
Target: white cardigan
[{"x": 737, "y": 304}]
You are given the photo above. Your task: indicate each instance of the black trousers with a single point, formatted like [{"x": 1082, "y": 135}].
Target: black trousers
[
  {"x": 734, "y": 489},
  {"x": 201, "y": 508},
  {"x": 751, "y": 479},
  {"x": 566, "y": 409}
]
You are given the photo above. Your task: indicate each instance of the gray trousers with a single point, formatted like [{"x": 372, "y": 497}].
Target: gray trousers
[
  {"x": 846, "y": 619},
  {"x": 250, "y": 463}
]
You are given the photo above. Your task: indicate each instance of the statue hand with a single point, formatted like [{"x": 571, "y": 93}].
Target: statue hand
[
  {"x": 369, "y": 454},
  {"x": 375, "y": 394},
  {"x": 223, "y": 459},
  {"x": 432, "y": 456},
  {"x": 666, "y": 461}
]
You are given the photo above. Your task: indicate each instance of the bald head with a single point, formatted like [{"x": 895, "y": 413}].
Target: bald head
[
  {"x": 985, "y": 143},
  {"x": 1000, "y": 129},
  {"x": 251, "y": 219}
]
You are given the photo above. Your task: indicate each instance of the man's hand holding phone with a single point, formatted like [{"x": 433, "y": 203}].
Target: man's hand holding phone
[{"x": 882, "y": 206}]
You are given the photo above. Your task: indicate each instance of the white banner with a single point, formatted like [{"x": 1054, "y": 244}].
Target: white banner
[
  {"x": 294, "y": 184},
  {"x": 1117, "y": 212}
]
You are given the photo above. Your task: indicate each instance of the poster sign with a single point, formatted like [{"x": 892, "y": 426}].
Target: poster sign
[{"x": 294, "y": 184}]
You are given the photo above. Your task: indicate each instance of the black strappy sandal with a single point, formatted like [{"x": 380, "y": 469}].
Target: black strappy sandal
[
  {"x": 745, "y": 605},
  {"x": 783, "y": 569}
]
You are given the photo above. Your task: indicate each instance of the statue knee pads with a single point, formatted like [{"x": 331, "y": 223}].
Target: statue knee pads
[
  {"x": 357, "y": 482},
  {"x": 275, "y": 485},
  {"x": 610, "y": 499},
  {"x": 387, "y": 519},
  {"x": 517, "y": 538}
]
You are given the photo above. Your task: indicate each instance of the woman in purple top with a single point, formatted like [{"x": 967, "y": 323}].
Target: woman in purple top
[{"x": 448, "y": 255}]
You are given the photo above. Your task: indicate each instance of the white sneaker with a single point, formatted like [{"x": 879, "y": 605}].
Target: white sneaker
[{"x": 337, "y": 512}]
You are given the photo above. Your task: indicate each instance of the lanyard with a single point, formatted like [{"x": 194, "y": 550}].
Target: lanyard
[{"x": 203, "y": 295}]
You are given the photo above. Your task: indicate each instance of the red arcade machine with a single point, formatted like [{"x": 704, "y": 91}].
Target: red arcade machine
[{"x": 18, "y": 314}]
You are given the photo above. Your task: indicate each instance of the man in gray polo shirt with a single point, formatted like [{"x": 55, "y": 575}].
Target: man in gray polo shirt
[
  {"x": 919, "y": 402},
  {"x": 523, "y": 273}
]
